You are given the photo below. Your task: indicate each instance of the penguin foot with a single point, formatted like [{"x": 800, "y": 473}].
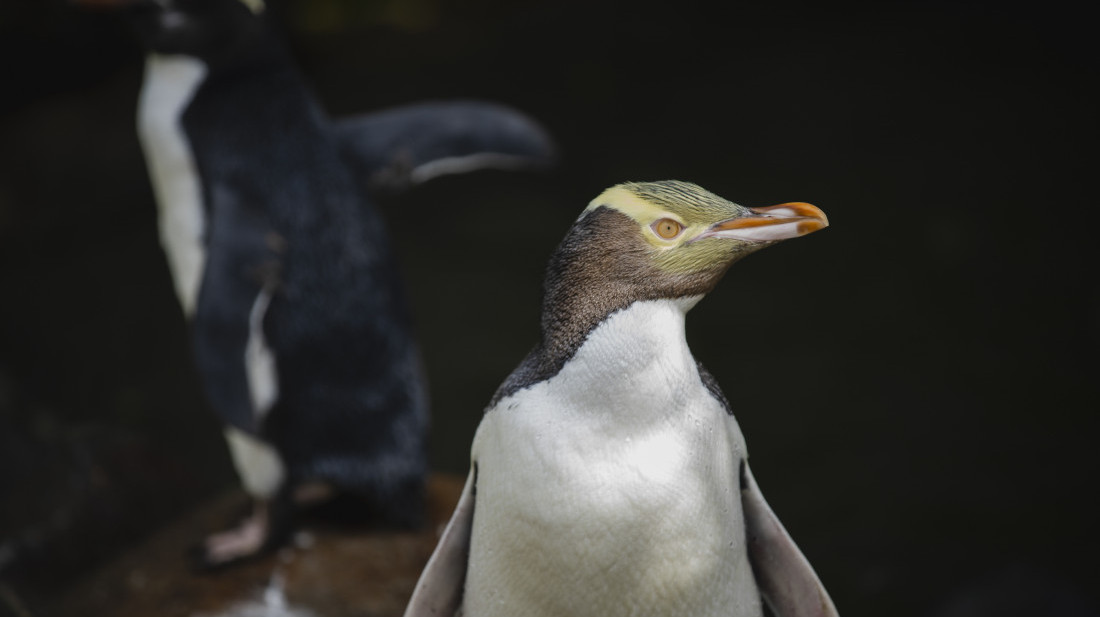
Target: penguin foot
[
  {"x": 250, "y": 538},
  {"x": 235, "y": 543}
]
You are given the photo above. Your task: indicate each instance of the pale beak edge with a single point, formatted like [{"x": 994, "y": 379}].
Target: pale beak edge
[{"x": 771, "y": 224}]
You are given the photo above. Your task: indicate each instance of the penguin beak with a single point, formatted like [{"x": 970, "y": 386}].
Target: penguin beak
[{"x": 771, "y": 224}]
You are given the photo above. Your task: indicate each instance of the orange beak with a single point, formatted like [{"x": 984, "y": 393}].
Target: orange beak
[{"x": 771, "y": 224}]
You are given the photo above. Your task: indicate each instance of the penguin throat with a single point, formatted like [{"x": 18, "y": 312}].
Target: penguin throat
[
  {"x": 637, "y": 354},
  {"x": 639, "y": 332},
  {"x": 603, "y": 266}
]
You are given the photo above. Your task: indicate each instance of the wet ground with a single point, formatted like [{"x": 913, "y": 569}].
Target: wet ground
[{"x": 917, "y": 384}]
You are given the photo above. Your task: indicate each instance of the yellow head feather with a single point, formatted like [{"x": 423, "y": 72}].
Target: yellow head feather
[{"x": 690, "y": 205}]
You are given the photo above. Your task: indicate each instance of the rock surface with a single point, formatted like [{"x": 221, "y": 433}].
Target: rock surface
[{"x": 327, "y": 571}]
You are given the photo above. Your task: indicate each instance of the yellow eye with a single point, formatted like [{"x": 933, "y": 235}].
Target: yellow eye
[{"x": 667, "y": 228}]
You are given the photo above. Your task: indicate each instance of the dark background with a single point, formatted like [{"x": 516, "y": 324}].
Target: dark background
[{"x": 917, "y": 384}]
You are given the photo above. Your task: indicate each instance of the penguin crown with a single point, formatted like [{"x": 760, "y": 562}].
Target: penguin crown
[
  {"x": 670, "y": 210},
  {"x": 685, "y": 200}
]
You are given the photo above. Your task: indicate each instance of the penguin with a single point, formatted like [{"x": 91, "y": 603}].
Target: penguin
[
  {"x": 282, "y": 264},
  {"x": 608, "y": 475}
]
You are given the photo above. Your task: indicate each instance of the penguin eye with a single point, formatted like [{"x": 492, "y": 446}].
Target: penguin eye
[{"x": 667, "y": 228}]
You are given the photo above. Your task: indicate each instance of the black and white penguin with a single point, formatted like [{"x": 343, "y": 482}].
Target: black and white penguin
[
  {"x": 609, "y": 476},
  {"x": 282, "y": 264}
]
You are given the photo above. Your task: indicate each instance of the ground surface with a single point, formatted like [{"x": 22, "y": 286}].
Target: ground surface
[{"x": 328, "y": 571}]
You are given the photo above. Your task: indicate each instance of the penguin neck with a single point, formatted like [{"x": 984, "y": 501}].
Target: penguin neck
[
  {"x": 602, "y": 267},
  {"x": 638, "y": 348},
  {"x": 228, "y": 43},
  {"x": 564, "y": 333},
  {"x": 642, "y": 333}
]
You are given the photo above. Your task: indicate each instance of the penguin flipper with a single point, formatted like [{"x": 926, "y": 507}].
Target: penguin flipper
[
  {"x": 438, "y": 593},
  {"x": 409, "y": 145},
  {"x": 787, "y": 582}
]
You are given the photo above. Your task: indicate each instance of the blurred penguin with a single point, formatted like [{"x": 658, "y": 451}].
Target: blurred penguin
[{"x": 283, "y": 266}]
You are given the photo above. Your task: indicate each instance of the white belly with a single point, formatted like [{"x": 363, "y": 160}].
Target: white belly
[
  {"x": 170, "y": 83},
  {"x": 612, "y": 488}
]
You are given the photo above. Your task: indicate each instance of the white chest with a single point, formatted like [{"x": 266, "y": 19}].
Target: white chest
[
  {"x": 612, "y": 488},
  {"x": 170, "y": 83}
]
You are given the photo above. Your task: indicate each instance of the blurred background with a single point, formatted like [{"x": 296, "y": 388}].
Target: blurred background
[{"x": 918, "y": 384}]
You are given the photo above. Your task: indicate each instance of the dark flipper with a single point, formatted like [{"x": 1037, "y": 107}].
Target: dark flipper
[
  {"x": 439, "y": 590},
  {"x": 411, "y": 144},
  {"x": 240, "y": 263},
  {"x": 786, "y": 580}
]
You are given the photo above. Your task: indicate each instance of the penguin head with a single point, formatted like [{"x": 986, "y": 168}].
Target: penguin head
[
  {"x": 681, "y": 237},
  {"x": 657, "y": 240},
  {"x": 685, "y": 231},
  {"x": 210, "y": 30}
]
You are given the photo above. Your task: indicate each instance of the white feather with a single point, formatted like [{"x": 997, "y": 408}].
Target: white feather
[
  {"x": 257, "y": 463},
  {"x": 170, "y": 83},
  {"x": 612, "y": 488},
  {"x": 466, "y": 164},
  {"x": 259, "y": 360},
  {"x": 256, "y": 6}
]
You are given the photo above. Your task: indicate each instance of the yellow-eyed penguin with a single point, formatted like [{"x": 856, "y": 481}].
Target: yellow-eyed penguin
[
  {"x": 608, "y": 475},
  {"x": 282, "y": 263}
]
